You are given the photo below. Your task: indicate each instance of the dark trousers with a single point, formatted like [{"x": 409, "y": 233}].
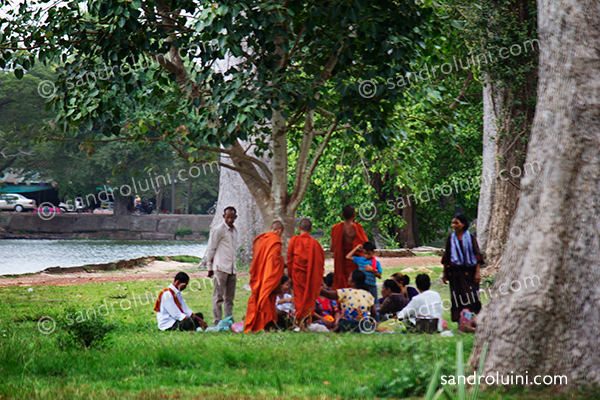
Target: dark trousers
[{"x": 188, "y": 324}]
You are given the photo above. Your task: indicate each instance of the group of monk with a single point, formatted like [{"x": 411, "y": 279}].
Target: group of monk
[{"x": 305, "y": 267}]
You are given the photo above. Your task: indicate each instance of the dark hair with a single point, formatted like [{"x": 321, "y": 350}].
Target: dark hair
[
  {"x": 392, "y": 285},
  {"x": 405, "y": 279},
  {"x": 359, "y": 279},
  {"x": 284, "y": 279},
  {"x": 305, "y": 224},
  {"x": 182, "y": 277},
  {"x": 461, "y": 217},
  {"x": 348, "y": 212},
  {"x": 368, "y": 246},
  {"x": 423, "y": 282},
  {"x": 230, "y": 208},
  {"x": 328, "y": 279}
]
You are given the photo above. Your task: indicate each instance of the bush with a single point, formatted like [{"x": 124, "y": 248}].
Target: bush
[
  {"x": 183, "y": 231},
  {"x": 81, "y": 331}
]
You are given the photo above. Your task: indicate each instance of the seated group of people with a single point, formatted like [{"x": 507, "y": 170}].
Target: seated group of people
[
  {"x": 343, "y": 310},
  {"x": 339, "y": 310}
]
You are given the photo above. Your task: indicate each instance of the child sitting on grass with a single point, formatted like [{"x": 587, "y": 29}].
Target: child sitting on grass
[
  {"x": 367, "y": 264},
  {"x": 326, "y": 310},
  {"x": 285, "y": 304}
]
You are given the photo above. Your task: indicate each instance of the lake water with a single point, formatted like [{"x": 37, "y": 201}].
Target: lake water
[{"x": 20, "y": 256}]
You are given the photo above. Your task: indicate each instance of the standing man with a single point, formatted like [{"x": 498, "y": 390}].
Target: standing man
[
  {"x": 266, "y": 272},
  {"x": 344, "y": 237},
  {"x": 220, "y": 261},
  {"x": 305, "y": 261}
]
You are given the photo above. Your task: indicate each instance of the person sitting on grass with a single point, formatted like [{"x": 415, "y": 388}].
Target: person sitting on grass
[
  {"x": 368, "y": 264},
  {"x": 428, "y": 303},
  {"x": 326, "y": 310},
  {"x": 393, "y": 301},
  {"x": 355, "y": 302},
  {"x": 403, "y": 280},
  {"x": 284, "y": 302},
  {"x": 171, "y": 311}
]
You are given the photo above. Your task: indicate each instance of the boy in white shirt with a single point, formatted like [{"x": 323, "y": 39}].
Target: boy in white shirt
[
  {"x": 427, "y": 303},
  {"x": 171, "y": 311}
]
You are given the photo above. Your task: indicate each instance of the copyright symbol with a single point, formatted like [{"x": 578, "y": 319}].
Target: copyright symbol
[
  {"x": 367, "y": 89},
  {"x": 46, "y": 89},
  {"x": 367, "y": 211},
  {"x": 367, "y": 325},
  {"x": 46, "y": 325},
  {"x": 46, "y": 211}
]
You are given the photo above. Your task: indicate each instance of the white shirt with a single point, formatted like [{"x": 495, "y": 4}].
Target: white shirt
[
  {"x": 222, "y": 246},
  {"x": 287, "y": 307},
  {"x": 428, "y": 303},
  {"x": 169, "y": 312}
]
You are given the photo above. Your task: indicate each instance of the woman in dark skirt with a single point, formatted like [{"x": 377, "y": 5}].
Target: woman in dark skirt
[{"x": 462, "y": 260}]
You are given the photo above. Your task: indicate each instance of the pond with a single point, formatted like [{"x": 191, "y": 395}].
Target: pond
[{"x": 20, "y": 256}]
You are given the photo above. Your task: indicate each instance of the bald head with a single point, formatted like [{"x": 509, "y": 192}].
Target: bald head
[
  {"x": 305, "y": 225},
  {"x": 277, "y": 227}
]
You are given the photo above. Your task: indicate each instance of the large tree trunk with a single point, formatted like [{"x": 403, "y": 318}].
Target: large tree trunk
[
  {"x": 508, "y": 115},
  {"x": 488, "y": 170},
  {"x": 411, "y": 229},
  {"x": 547, "y": 323},
  {"x": 120, "y": 205},
  {"x": 233, "y": 191}
]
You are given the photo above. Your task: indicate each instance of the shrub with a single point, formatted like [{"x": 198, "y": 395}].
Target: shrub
[
  {"x": 183, "y": 231},
  {"x": 81, "y": 331}
]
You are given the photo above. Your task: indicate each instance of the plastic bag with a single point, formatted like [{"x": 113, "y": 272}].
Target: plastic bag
[
  {"x": 225, "y": 324},
  {"x": 238, "y": 327}
]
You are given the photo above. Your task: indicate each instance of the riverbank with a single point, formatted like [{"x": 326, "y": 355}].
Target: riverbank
[
  {"x": 151, "y": 268},
  {"x": 94, "y": 226}
]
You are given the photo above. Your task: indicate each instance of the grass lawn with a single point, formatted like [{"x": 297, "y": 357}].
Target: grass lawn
[{"x": 137, "y": 361}]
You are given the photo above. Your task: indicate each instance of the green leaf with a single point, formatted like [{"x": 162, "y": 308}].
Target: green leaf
[{"x": 19, "y": 73}]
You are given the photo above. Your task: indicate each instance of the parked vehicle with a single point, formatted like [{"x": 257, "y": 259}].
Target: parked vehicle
[
  {"x": 146, "y": 207},
  {"x": 16, "y": 202},
  {"x": 107, "y": 205},
  {"x": 71, "y": 206},
  {"x": 213, "y": 209}
]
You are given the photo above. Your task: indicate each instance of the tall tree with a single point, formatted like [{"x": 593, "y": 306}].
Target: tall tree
[
  {"x": 508, "y": 32},
  {"x": 546, "y": 323},
  {"x": 295, "y": 82}
]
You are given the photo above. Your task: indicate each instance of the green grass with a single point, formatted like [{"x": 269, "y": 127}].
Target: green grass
[
  {"x": 140, "y": 362},
  {"x": 186, "y": 259},
  {"x": 427, "y": 255}
]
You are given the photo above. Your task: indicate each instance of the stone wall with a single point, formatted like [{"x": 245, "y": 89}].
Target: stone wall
[{"x": 94, "y": 226}]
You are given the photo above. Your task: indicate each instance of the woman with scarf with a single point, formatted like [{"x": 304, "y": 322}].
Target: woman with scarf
[{"x": 462, "y": 260}]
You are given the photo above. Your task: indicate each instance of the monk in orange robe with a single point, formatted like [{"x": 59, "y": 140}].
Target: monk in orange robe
[
  {"x": 266, "y": 271},
  {"x": 345, "y": 236},
  {"x": 305, "y": 263}
]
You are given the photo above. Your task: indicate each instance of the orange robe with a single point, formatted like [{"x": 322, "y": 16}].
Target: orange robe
[
  {"x": 266, "y": 271},
  {"x": 342, "y": 268},
  {"x": 305, "y": 263}
]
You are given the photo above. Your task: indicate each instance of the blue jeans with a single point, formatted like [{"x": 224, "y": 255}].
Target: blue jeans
[{"x": 373, "y": 291}]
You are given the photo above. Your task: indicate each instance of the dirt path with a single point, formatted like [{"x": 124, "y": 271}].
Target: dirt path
[{"x": 167, "y": 269}]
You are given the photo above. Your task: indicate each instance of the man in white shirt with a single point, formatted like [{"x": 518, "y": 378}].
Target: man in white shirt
[
  {"x": 220, "y": 260},
  {"x": 427, "y": 303},
  {"x": 171, "y": 311}
]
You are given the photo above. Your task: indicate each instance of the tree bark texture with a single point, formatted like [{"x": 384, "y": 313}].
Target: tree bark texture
[
  {"x": 233, "y": 191},
  {"x": 512, "y": 115},
  {"x": 488, "y": 171},
  {"x": 509, "y": 107},
  {"x": 551, "y": 326}
]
